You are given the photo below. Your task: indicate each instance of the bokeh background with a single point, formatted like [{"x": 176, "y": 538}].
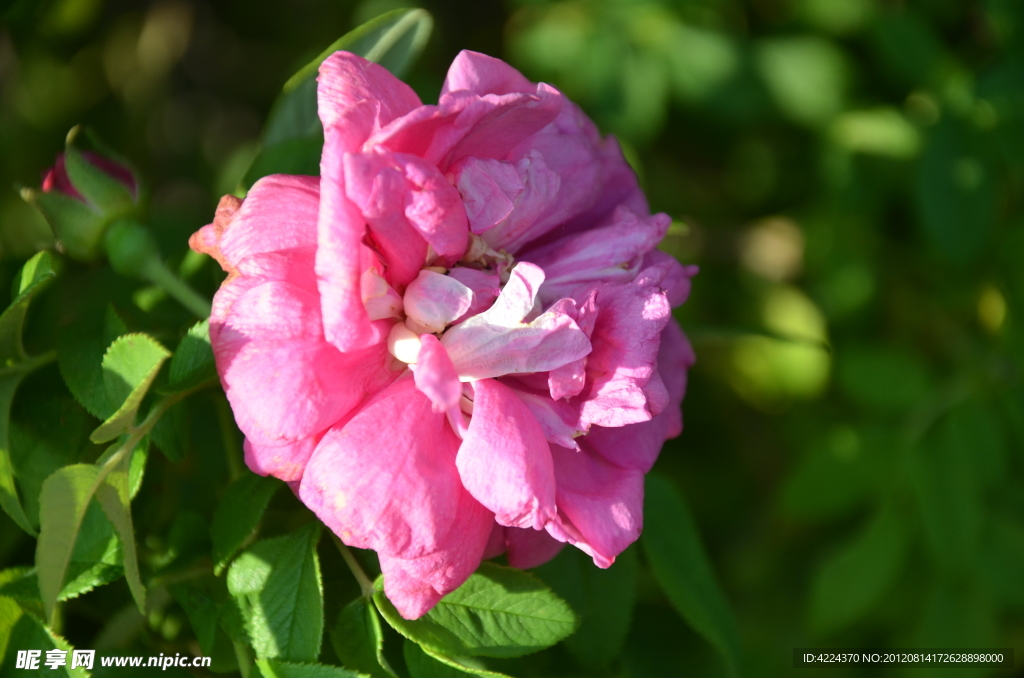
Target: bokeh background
[{"x": 848, "y": 175}]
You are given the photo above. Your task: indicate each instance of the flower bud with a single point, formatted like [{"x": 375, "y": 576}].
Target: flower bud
[{"x": 82, "y": 194}]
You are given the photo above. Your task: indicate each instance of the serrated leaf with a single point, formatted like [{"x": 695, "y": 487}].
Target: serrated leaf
[
  {"x": 853, "y": 580},
  {"x": 114, "y": 496},
  {"x": 426, "y": 663},
  {"x": 358, "y": 640},
  {"x": 603, "y": 599},
  {"x": 64, "y": 503},
  {"x": 24, "y": 631},
  {"x": 677, "y": 558},
  {"x": 238, "y": 514},
  {"x": 498, "y": 612},
  {"x": 277, "y": 585},
  {"x": 80, "y": 350},
  {"x": 20, "y": 584},
  {"x": 129, "y": 368},
  {"x": 193, "y": 361},
  {"x": 96, "y": 557},
  {"x": 272, "y": 668},
  {"x": 34, "y": 276}
]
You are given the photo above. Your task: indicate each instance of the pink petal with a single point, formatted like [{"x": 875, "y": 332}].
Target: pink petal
[
  {"x": 340, "y": 256},
  {"x": 504, "y": 459},
  {"x": 557, "y": 418},
  {"x": 414, "y": 585},
  {"x": 612, "y": 253},
  {"x": 286, "y": 462},
  {"x": 435, "y": 376},
  {"x": 601, "y": 504},
  {"x": 569, "y": 380},
  {"x": 387, "y": 480},
  {"x": 676, "y": 277},
  {"x": 482, "y": 74},
  {"x": 637, "y": 446},
  {"x": 626, "y": 338},
  {"x": 497, "y": 342},
  {"x": 504, "y": 199},
  {"x": 530, "y": 548},
  {"x": 284, "y": 381},
  {"x": 279, "y": 213},
  {"x": 356, "y": 97},
  {"x": 485, "y": 286},
  {"x": 434, "y": 300}
]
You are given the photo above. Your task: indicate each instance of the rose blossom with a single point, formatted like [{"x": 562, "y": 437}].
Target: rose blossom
[{"x": 457, "y": 341}]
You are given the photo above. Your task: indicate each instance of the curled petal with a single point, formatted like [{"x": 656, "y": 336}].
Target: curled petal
[
  {"x": 286, "y": 462},
  {"x": 485, "y": 286},
  {"x": 434, "y": 300},
  {"x": 435, "y": 376},
  {"x": 482, "y": 74}
]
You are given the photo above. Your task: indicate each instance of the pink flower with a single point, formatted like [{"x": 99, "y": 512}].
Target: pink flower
[{"x": 457, "y": 342}]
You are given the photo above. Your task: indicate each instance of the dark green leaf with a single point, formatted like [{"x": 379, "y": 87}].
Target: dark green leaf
[
  {"x": 677, "y": 558},
  {"x": 129, "y": 368},
  {"x": 498, "y": 612},
  {"x": 96, "y": 558},
  {"x": 170, "y": 433},
  {"x": 602, "y": 598},
  {"x": 425, "y": 663},
  {"x": 278, "y": 587},
  {"x": 34, "y": 276},
  {"x": 80, "y": 350},
  {"x": 238, "y": 514},
  {"x": 201, "y": 611},
  {"x": 853, "y": 580},
  {"x": 271, "y": 668},
  {"x": 193, "y": 362},
  {"x": 293, "y": 136},
  {"x": 883, "y": 378},
  {"x": 358, "y": 640}
]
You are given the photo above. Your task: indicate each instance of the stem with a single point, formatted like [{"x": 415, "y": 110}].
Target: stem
[
  {"x": 244, "y": 660},
  {"x": 357, "y": 571},
  {"x": 164, "y": 278}
]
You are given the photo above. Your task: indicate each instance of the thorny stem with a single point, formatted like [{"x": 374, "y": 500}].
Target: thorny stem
[{"x": 365, "y": 585}]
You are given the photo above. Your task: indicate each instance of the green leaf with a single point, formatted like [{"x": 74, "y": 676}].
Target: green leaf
[
  {"x": 498, "y": 612},
  {"x": 393, "y": 40},
  {"x": 853, "y": 580},
  {"x": 278, "y": 587},
  {"x": 358, "y": 640},
  {"x": 23, "y": 631},
  {"x": 603, "y": 598},
  {"x": 80, "y": 349},
  {"x": 201, "y": 611},
  {"x": 20, "y": 584},
  {"x": 129, "y": 368},
  {"x": 46, "y": 433},
  {"x": 271, "y": 668},
  {"x": 193, "y": 362},
  {"x": 677, "y": 558},
  {"x": 34, "y": 276},
  {"x": 293, "y": 135},
  {"x": 64, "y": 500},
  {"x": 237, "y": 516},
  {"x": 426, "y": 663},
  {"x": 171, "y": 432},
  {"x": 883, "y": 378},
  {"x": 96, "y": 557},
  {"x": 115, "y": 497}
]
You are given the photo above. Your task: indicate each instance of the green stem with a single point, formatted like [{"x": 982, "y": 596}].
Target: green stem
[
  {"x": 365, "y": 585},
  {"x": 244, "y": 660},
  {"x": 163, "y": 277}
]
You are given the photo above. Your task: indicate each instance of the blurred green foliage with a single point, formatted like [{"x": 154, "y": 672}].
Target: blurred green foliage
[{"x": 847, "y": 173}]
